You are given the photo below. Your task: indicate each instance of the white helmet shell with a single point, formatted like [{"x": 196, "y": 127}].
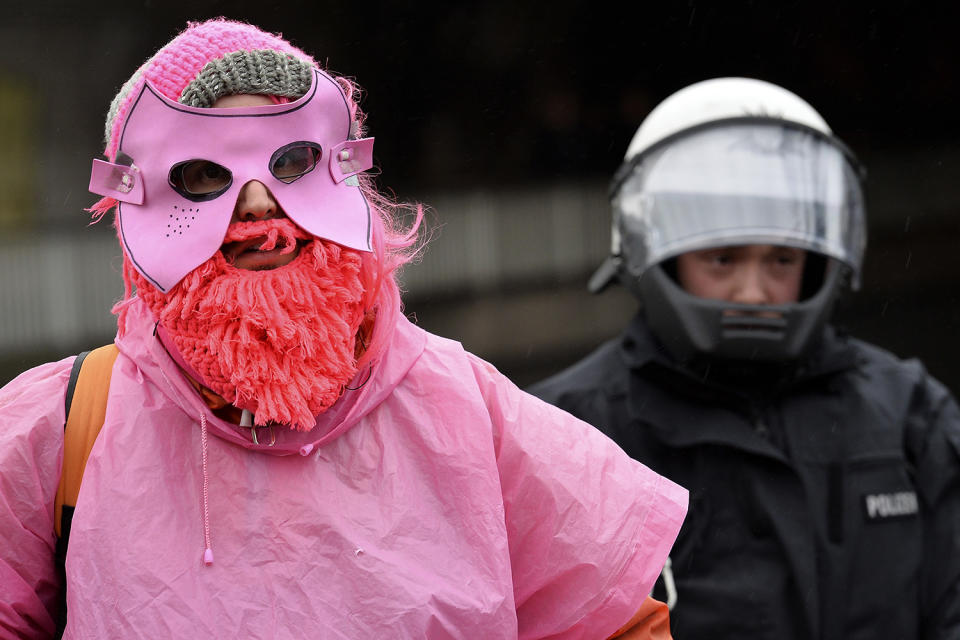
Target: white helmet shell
[{"x": 721, "y": 99}]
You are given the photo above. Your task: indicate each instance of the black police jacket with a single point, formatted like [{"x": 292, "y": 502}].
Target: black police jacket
[{"x": 824, "y": 496}]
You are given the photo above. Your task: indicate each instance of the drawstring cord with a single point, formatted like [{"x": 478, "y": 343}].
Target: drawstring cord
[{"x": 208, "y": 551}]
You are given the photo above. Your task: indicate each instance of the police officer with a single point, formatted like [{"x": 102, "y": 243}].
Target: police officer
[{"x": 823, "y": 471}]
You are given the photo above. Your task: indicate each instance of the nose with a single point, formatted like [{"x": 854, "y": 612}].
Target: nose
[
  {"x": 255, "y": 202},
  {"x": 750, "y": 287}
]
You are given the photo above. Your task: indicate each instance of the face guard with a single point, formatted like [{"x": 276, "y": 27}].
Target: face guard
[
  {"x": 189, "y": 165},
  {"x": 741, "y": 183},
  {"x": 689, "y": 325}
]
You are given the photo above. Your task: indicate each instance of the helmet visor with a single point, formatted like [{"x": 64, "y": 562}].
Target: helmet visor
[{"x": 738, "y": 184}]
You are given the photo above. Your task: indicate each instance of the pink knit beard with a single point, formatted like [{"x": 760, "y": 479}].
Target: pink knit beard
[{"x": 278, "y": 342}]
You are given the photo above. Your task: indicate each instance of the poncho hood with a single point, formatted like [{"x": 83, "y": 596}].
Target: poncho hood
[{"x": 367, "y": 390}]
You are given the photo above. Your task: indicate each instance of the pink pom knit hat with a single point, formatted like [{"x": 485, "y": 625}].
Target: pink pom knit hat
[{"x": 213, "y": 59}]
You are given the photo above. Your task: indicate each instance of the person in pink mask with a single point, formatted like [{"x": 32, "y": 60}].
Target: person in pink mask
[{"x": 282, "y": 453}]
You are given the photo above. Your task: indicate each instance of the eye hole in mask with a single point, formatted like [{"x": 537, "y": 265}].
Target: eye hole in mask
[
  {"x": 295, "y": 160},
  {"x": 200, "y": 180}
]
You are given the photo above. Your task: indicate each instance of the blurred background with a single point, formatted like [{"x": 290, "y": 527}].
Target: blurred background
[{"x": 508, "y": 120}]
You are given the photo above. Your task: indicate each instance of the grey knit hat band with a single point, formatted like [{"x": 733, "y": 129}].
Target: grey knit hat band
[{"x": 263, "y": 71}]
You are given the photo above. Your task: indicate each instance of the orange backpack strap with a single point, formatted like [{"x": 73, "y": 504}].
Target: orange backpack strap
[
  {"x": 651, "y": 622},
  {"x": 86, "y": 405}
]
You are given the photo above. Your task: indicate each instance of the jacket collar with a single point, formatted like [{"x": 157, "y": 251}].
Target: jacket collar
[
  {"x": 714, "y": 402},
  {"x": 832, "y": 353}
]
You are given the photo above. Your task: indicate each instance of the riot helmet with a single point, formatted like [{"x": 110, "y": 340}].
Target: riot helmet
[{"x": 731, "y": 162}]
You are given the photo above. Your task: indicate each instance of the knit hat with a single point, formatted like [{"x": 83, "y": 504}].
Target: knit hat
[{"x": 209, "y": 60}]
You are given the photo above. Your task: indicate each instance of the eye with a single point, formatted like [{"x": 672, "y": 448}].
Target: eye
[
  {"x": 200, "y": 180},
  {"x": 717, "y": 258},
  {"x": 294, "y": 160}
]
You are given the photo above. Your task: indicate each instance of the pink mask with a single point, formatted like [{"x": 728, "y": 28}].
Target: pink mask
[{"x": 168, "y": 230}]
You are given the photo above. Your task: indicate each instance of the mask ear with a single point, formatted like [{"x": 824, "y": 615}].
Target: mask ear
[
  {"x": 118, "y": 181},
  {"x": 350, "y": 158}
]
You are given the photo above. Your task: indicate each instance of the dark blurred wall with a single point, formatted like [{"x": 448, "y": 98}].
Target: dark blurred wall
[
  {"x": 465, "y": 95},
  {"x": 515, "y": 95}
]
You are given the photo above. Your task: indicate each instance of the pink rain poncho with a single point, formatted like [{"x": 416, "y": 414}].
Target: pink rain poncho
[{"x": 435, "y": 501}]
